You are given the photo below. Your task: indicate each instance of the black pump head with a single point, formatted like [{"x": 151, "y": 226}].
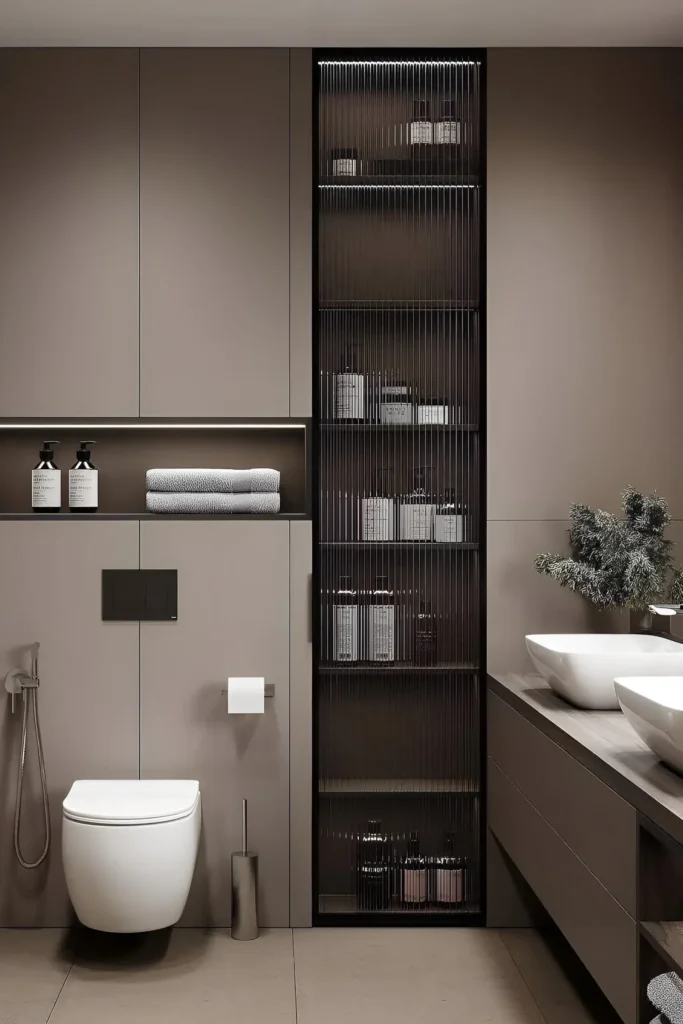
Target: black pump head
[
  {"x": 46, "y": 451},
  {"x": 84, "y": 449}
]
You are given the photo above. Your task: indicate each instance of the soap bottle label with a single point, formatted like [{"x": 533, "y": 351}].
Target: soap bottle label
[
  {"x": 83, "y": 488},
  {"x": 46, "y": 488},
  {"x": 345, "y": 633},
  {"x": 349, "y": 399},
  {"x": 377, "y": 519},
  {"x": 449, "y": 529},
  {"x": 447, "y": 132},
  {"x": 416, "y": 522},
  {"x": 381, "y": 620}
]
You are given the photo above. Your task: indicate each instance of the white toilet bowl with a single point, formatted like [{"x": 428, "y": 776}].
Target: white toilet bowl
[{"x": 129, "y": 849}]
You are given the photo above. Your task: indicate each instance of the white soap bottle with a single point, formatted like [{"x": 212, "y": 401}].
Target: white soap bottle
[
  {"x": 83, "y": 481},
  {"x": 46, "y": 482}
]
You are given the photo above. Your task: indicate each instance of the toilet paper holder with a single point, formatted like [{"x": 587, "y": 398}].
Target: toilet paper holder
[{"x": 269, "y": 690}]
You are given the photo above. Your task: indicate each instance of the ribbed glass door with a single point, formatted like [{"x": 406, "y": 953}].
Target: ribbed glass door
[{"x": 398, "y": 522}]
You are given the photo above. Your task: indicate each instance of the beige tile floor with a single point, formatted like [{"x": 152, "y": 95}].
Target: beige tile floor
[{"x": 322, "y": 976}]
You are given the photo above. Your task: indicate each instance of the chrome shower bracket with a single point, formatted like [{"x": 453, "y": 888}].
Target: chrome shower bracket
[{"x": 17, "y": 680}]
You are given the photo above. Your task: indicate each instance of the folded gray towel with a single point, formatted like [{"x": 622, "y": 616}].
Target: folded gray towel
[
  {"x": 660, "y": 1019},
  {"x": 212, "y": 504},
  {"x": 225, "y": 481},
  {"x": 665, "y": 992}
]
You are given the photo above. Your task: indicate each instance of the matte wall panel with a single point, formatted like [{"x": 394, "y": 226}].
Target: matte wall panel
[
  {"x": 50, "y": 592},
  {"x": 214, "y": 223},
  {"x": 69, "y": 237},
  {"x": 301, "y": 232},
  {"x": 301, "y": 722},
  {"x": 233, "y": 620}
]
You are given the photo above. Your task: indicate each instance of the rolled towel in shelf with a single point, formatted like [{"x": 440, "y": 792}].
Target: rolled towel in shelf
[
  {"x": 665, "y": 992},
  {"x": 221, "y": 481},
  {"x": 660, "y": 1019},
  {"x": 173, "y": 503}
]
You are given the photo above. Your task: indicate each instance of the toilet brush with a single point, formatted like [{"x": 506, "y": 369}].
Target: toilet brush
[{"x": 244, "y": 923}]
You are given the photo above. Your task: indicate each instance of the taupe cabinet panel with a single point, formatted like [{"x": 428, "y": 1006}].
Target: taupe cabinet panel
[
  {"x": 214, "y": 232},
  {"x": 598, "y": 825},
  {"x": 301, "y": 722},
  {"x": 602, "y": 934},
  {"x": 50, "y": 591},
  {"x": 233, "y": 620},
  {"x": 69, "y": 232}
]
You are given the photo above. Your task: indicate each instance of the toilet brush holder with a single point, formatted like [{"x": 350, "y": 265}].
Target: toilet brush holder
[{"x": 244, "y": 864}]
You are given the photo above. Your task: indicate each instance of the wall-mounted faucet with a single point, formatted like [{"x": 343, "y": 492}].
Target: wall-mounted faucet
[{"x": 658, "y": 618}]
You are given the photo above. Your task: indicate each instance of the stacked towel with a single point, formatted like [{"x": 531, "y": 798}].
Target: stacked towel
[
  {"x": 665, "y": 992},
  {"x": 213, "y": 491},
  {"x": 223, "y": 481}
]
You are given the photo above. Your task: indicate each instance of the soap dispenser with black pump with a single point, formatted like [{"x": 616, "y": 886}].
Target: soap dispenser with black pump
[
  {"x": 46, "y": 481},
  {"x": 83, "y": 481}
]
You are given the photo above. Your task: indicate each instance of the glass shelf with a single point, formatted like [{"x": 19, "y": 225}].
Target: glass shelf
[{"x": 402, "y": 668}]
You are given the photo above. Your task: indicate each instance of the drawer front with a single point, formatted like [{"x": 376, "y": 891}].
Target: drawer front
[
  {"x": 601, "y": 933},
  {"x": 598, "y": 825}
]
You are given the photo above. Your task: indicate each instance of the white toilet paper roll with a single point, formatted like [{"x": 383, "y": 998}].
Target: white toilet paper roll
[{"x": 246, "y": 695}]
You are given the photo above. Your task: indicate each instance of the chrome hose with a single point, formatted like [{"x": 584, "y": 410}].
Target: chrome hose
[{"x": 30, "y": 695}]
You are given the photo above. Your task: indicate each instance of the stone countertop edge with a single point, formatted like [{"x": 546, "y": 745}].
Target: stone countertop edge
[{"x": 604, "y": 743}]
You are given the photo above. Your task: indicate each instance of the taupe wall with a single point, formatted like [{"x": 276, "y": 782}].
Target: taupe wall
[
  {"x": 585, "y": 311},
  {"x": 585, "y": 358}
]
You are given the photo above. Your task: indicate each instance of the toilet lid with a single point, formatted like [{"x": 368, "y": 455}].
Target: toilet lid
[{"x": 131, "y": 801}]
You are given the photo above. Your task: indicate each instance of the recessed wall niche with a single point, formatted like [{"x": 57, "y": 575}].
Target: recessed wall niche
[{"x": 126, "y": 449}]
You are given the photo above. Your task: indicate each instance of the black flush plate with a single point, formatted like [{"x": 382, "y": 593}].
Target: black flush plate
[{"x": 139, "y": 595}]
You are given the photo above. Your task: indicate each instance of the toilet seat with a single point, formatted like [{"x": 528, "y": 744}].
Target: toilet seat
[{"x": 131, "y": 801}]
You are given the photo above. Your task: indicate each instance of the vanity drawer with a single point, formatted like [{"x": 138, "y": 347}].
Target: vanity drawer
[
  {"x": 598, "y": 825},
  {"x": 596, "y": 926}
]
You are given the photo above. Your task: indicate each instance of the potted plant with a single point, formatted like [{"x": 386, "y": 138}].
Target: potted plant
[{"x": 620, "y": 562}]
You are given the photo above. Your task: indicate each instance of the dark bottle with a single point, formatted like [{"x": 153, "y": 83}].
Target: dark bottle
[
  {"x": 83, "y": 481},
  {"x": 414, "y": 875},
  {"x": 46, "y": 482},
  {"x": 425, "y": 635},
  {"x": 449, "y": 881},
  {"x": 373, "y": 869}
]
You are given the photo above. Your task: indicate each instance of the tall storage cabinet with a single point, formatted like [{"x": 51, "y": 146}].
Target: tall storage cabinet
[
  {"x": 69, "y": 236},
  {"x": 398, "y": 529},
  {"x": 214, "y": 232}
]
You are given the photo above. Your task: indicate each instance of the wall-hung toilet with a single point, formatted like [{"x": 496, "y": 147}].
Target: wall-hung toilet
[{"x": 129, "y": 849}]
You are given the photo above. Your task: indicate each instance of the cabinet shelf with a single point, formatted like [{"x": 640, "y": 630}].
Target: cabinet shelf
[
  {"x": 445, "y": 668},
  {"x": 397, "y": 545},
  {"x": 666, "y": 938},
  {"x": 399, "y": 181},
  {"x": 140, "y": 516},
  {"x": 333, "y": 904},
  {"x": 419, "y": 306},
  {"x": 403, "y": 428},
  {"x": 396, "y": 787}
]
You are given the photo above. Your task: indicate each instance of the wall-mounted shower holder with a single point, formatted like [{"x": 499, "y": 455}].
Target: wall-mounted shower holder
[{"x": 17, "y": 680}]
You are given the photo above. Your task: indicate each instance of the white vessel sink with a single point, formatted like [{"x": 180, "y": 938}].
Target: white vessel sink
[
  {"x": 654, "y": 707},
  {"x": 582, "y": 667}
]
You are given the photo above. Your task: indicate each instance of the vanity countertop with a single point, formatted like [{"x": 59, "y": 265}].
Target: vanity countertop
[{"x": 604, "y": 743}]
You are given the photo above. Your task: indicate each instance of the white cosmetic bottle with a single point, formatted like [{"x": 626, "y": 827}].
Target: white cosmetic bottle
[
  {"x": 378, "y": 515},
  {"x": 46, "y": 482},
  {"x": 83, "y": 481}
]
